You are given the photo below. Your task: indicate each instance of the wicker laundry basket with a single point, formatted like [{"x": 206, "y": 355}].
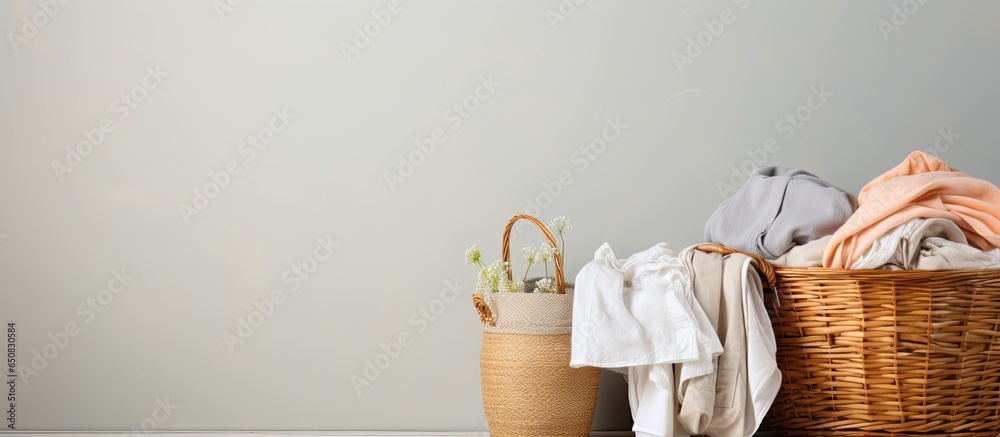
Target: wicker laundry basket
[
  {"x": 885, "y": 353},
  {"x": 529, "y": 389}
]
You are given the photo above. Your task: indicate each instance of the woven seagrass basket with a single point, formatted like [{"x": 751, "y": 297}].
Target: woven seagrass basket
[
  {"x": 885, "y": 353},
  {"x": 529, "y": 389}
]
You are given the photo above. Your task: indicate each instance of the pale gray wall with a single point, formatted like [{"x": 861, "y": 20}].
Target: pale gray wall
[{"x": 162, "y": 337}]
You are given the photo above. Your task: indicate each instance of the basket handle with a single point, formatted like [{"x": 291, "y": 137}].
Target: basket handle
[
  {"x": 487, "y": 316},
  {"x": 556, "y": 256},
  {"x": 764, "y": 268}
]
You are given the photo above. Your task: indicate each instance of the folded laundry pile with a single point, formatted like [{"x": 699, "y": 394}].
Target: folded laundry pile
[{"x": 689, "y": 329}]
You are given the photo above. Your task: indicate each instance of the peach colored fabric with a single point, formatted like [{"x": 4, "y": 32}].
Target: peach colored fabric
[{"x": 922, "y": 186}]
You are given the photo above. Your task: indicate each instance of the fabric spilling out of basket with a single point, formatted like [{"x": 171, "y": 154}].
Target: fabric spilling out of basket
[
  {"x": 639, "y": 313},
  {"x": 645, "y": 314},
  {"x": 651, "y": 398},
  {"x": 778, "y": 208},
  {"x": 732, "y": 400},
  {"x": 922, "y": 186}
]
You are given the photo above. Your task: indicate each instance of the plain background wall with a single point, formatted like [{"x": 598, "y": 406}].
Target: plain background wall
[{"x": 688, "y": 130}]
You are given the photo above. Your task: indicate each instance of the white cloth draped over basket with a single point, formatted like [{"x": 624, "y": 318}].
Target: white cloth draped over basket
[{"x": 641, "y": 313}]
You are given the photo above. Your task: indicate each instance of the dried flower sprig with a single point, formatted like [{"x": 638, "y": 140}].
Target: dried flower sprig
[
  {"x": 559, "y": 226},
  {"x": 495, "y": 277}
]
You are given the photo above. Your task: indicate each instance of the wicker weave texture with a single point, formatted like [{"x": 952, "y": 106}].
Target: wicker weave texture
[
  {"x": 532, "y": 313},
  {"x": 530, "y": 390},
  {"x": 873, "y": 352}
]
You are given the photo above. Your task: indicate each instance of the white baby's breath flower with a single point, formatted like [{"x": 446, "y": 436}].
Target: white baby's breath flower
[
  {"x": 491, "y": 278},
  {"x": 482, "y": 287},
  {"x": 531, "y": 254},
  {"x": 545, "y": 252},
  {"x": 474, "y": 256},
  {"x": 512, "y": 286},
  {"x": 545, "y": 285},
  {"x": 483, "y": 282},
  {"x": 560, "y": 225}
]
